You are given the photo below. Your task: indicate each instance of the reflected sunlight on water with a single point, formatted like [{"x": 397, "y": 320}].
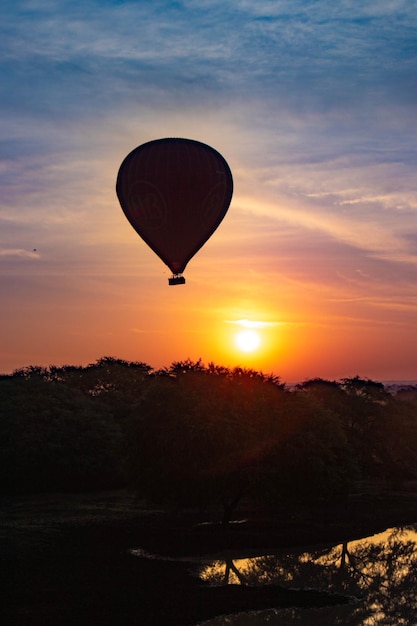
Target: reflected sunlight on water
[{"x": 381, "y": 571}]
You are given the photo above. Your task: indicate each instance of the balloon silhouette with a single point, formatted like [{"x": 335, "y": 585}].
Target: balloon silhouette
[{"x": 175, "y": 192}]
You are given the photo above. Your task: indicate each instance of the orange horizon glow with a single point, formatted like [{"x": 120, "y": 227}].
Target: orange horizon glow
[{"x": 307, "y": 330}]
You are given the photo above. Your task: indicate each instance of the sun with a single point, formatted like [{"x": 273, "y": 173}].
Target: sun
[{"x": 247, "y": 340}]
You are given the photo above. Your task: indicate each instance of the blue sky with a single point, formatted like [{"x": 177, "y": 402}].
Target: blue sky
[{"x": 312, "y": 103}]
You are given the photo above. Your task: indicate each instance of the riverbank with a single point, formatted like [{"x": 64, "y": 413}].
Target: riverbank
[
  {"x": 66, "y": 559},
  {"x": 293, "y": 525}
]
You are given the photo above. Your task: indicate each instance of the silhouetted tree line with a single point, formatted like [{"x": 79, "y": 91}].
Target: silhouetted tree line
[{"x": 194, "y": 434}]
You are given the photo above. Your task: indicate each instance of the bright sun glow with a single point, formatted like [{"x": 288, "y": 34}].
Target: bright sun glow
[{"x": 247, "y": 340}]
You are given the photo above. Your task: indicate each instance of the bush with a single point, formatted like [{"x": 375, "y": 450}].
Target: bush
[{"x": 53, "y": 437}]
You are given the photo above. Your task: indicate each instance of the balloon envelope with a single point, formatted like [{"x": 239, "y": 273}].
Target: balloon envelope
[{"x": 174, "y": 192}]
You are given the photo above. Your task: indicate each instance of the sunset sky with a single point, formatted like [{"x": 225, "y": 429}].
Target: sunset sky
[{"x": 313, "y": 103}]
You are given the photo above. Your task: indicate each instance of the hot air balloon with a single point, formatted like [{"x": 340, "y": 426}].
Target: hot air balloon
[{"x": 174, "y": 192}]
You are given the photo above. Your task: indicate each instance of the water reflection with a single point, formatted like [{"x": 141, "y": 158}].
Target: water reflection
[{"x": 381, "y": 571}]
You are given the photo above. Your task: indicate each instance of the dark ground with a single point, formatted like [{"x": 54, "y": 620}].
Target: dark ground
[{"x": 65, "y": 558}]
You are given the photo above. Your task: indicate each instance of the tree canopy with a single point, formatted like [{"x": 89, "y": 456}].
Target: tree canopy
[{"x": 195, "y": 434}]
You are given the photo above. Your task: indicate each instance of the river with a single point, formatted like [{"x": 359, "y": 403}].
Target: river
[
  {"x": 67, "y": 559},
  {"x": 378, "y": 572}
]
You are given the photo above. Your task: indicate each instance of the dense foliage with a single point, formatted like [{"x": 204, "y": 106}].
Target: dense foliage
[{"x": 195, "y": 434}]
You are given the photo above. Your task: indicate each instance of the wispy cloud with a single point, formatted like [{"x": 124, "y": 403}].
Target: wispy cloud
[
  {"x": 253, "y": 323},
  {"x": 20, "y": 253}
]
